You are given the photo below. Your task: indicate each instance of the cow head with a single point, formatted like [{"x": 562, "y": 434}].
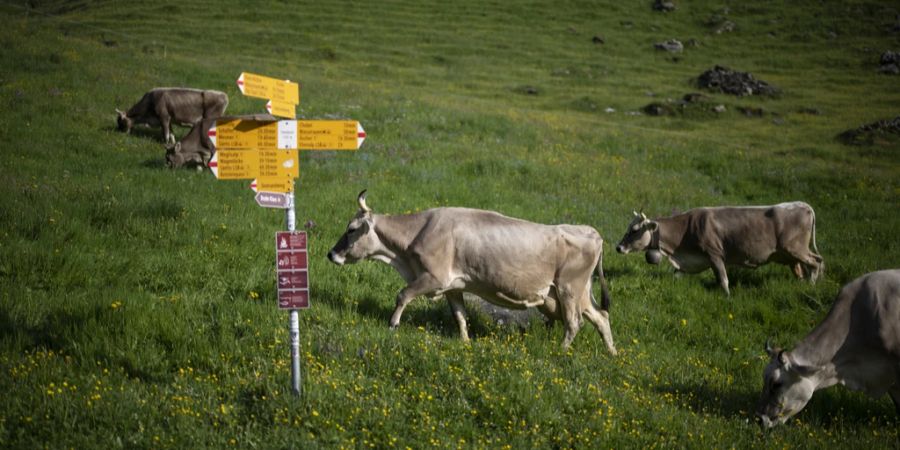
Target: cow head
[
  {"x": 123, "y": 122},
  {"x": 787, "y": 387},
  {"x": 639, "y": 234},
  {"x": 359, "y": 240}
]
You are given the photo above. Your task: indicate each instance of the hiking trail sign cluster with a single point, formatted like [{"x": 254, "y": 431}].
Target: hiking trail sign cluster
[{"x": 267, "y": 151}]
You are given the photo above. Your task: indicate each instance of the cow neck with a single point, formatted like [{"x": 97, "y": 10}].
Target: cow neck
[
  {"x": 398, "y": 232},
  {"x": 670, "y": 231},
  {"x": 821, "y": 346}
]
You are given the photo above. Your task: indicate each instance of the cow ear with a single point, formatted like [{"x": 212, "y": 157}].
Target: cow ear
[
  {"x": 366, "y": 226},
  {"x": 783, "y": 358},
  {"x": 652, "y": 226}
]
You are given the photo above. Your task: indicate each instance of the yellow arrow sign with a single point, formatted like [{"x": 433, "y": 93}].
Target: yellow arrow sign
[
  {"x": 282, "y": 109},
  {"x": 274, "y": 184},
  {"x": 287, "y": 134},
  {"x": 329, "y": 134},
  {"x": 253, "y": 85}
]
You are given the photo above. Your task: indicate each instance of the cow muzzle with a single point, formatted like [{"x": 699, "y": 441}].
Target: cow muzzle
[
  {"x": 335, "y": 258},
  {"x": 621, "y": 249}
]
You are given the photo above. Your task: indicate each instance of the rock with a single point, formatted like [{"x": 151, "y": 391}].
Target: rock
[
  {"x": 527, "y": 90},
  {"x": 658, "y": 109},
  {"x": 694, "y": 97},
  {"x": 751, "y": 112},
  {"x": 672, "y": 46},
  {"x": 865, "y": 134},
  {"x": 890, "y": 69},
  {"x": 719, "y": 109},
  {"x": 598, "y": 40},
  {"x": 664, "y": 5},
  {"x": 723, "y": 79},
  {"x": 725, "y": 27},
  {"x": 890, "y": 62},
  {"x": 810, "y": 111}
]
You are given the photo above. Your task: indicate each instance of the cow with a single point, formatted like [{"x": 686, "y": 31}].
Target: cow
[
  {"x": 162, "y": 106},
  {"x": 748, "y": 236},
  {"x": 857, "y": 345},
  {"x": 509, "y": 262},
  {"x": 196, "y": 148}
]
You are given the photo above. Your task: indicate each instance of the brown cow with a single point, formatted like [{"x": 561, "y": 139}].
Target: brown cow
[
  {"x": 856, "y": 345},
  {"x": 746, "y": 236},
  {"x": 196, "y": 148},
  {"x": 508, "y": 262},
  {"x": 162, "y": 106}
]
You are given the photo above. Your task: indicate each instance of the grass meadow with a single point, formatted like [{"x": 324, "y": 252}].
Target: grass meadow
[{"x": 137, "y": 303}]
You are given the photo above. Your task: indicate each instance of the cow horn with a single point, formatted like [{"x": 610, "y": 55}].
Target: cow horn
[
  {"x": 361, "y": 199},
  {"x": 769, "y": 348}
]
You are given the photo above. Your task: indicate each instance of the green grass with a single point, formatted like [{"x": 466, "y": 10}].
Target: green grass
[{"x": 137, "y": 304}]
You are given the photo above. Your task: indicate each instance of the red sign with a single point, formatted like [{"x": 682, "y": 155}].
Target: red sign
[
  {"x": 292, "y": 267},
  {"x": 291, "y": 261}
]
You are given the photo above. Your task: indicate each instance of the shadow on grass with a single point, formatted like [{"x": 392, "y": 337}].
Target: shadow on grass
[
  {"x": 48, "y": 334},
  {"x": 700, "y": 398},
  {"x": 826, "y": 407}
]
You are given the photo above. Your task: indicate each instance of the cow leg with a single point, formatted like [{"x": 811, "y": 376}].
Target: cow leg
[
  {"x": 422, "y": 285},
  {"x": 571, "y": 317},
  {"x": 166, "y": 123},
  {"x": 600, "y": 319},
  {"x": 458, "y": 306},
  {"x": 718, "y": 266},
  {"x": 798, "y": 270}
]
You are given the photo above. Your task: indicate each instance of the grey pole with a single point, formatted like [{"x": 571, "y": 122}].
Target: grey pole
[{"x": 291, "y": 219}]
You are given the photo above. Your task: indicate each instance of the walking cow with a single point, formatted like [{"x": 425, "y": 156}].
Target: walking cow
[
  {"x": 857, "y": 345},
  {"x": 509, "y": 262},
  {"x": 162, "y": 106},
  {"x": 713, "y": 237}
]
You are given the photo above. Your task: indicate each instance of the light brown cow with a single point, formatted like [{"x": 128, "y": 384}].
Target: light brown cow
[
  {"x": 196, "y": 148},
  {"x": 856, "y": 345},
  {"x": 162, "y": 106},
  {"x": 745, "y": 236},
  {"x": 508, "y": 262}
]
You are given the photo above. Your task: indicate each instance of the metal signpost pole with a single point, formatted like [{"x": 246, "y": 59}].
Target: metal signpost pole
[{"x": 291, "y": 219}]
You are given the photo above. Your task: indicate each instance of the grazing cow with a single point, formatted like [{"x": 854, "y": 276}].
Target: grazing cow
[
  {"x": 713, "y": 237},
  {"x": 857, "y": 345},
  {"x": 506, "y": 261},
  {"x": 196, "y": 148},
  {"x": 162, "y": 106}
]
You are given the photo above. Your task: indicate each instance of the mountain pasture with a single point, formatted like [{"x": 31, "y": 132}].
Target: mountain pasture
[{"x": 137, "y": 303}]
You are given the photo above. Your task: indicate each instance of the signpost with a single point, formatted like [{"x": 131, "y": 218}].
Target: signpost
[{"x": 267, "y": 152}]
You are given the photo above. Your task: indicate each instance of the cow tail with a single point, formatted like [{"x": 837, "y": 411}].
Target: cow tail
[
  {"x": 604, "y": 289},
  {"x": 815, "y": 249}
]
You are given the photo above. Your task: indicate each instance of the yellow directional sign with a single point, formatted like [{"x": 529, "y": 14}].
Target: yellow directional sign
[
  {"x": 275, "y": 184},
  {"x": 244, "y": 134},
  {"x": 288, "y": 134},
  {"x": 253, "y": 85},
  {"x": 329, "y": 134},
  {"x": 282, "y": 109},
  {"x": 236, "y": 164}
]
